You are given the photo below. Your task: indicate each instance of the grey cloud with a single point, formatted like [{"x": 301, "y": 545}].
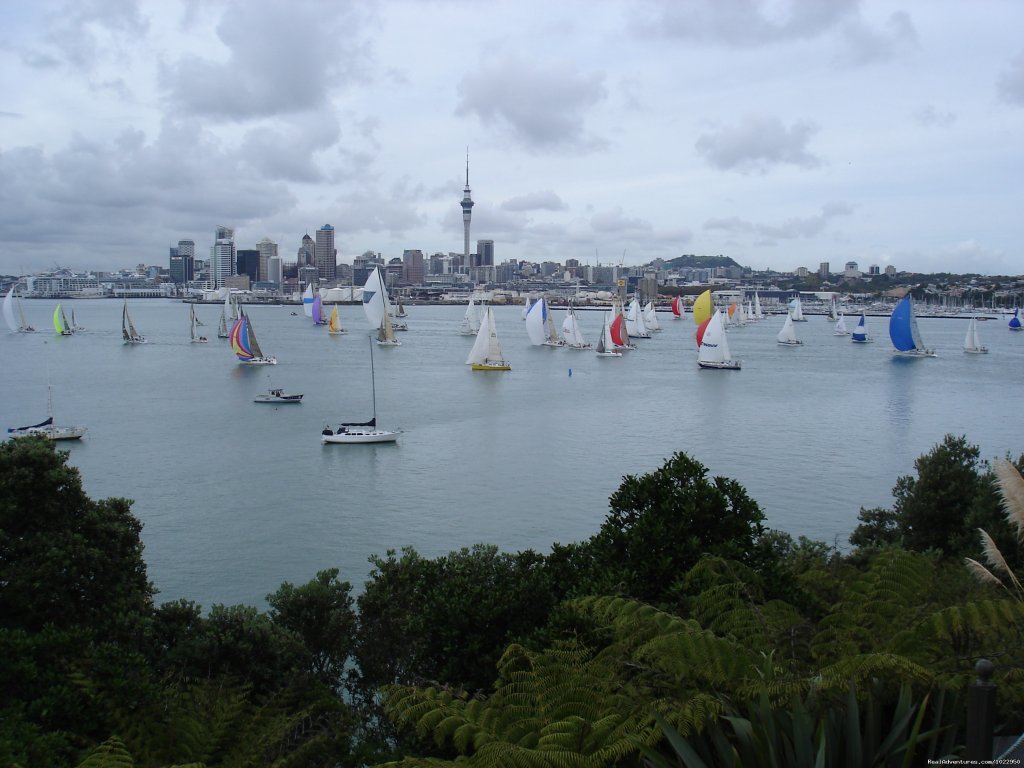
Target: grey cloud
[
  {"x": 757, "y": 143},
  {"x": 542, "y": 107},
  {"x": 790, "y": 229},
  {"x": 535, "y": 201},
  {"x": 129, "y": 195},
  {"x": 282, "y": 59},
  {"x": 616, "y": 221},
  {"x": 741, "y": 23},
  {"x": 82, "y": 33},
  {"x": 929, "y": 116},
  {"x": 1010, "y": 84},
  {"x": 865, "y": 44},
  {"x": 287, "y": 150}
]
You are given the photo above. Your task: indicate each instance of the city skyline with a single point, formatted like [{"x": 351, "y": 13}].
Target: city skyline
[{"x": 781, "y": 134}]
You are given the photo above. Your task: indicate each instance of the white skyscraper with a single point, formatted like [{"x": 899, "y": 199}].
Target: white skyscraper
[
  {"x": 222, "y": 256},
  {"x": 268, "y": 250}
]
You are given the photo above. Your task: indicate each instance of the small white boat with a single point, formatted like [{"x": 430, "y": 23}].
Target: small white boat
[
  {"x": 972, "y": 344},
  {"x": 196, "y": 338},
  {"x": 840, "y": 329},
  {"x": 713, "y": 345},
  {"x": 361, "y": 432},
  {"x": 605, "y": 344},
  {"x": 903, "y": 331},
  {"x": 486, "y": 353},
  {"x": 128, "y": 332},
  {"x": 787, "y": 336},
  {"x": 47, "y": 428},
  {"x": 860, "y": 333},
  {"x": 278, "y": 396}
]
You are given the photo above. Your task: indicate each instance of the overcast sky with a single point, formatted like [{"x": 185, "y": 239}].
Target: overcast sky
[{"x": 782, "y": 133}]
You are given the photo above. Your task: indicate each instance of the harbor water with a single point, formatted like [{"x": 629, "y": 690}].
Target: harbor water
[{"x": 237, "y": 497}]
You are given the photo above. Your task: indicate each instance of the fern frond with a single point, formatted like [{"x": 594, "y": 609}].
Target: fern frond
[{"x": 1011, "y": 488}]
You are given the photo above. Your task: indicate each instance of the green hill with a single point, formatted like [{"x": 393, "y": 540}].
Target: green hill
[{"x": 700, "y": 262}]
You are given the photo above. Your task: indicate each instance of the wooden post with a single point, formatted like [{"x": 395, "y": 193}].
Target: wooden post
[{"x": 981, "y": 712}]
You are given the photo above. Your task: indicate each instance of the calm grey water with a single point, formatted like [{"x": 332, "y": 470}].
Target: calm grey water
[{"x": 237, "y": 497}]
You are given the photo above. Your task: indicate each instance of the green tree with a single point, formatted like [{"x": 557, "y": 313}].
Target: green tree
[
  {"x": 321, "y": 613},
  {"x": 663, "y": 522}
]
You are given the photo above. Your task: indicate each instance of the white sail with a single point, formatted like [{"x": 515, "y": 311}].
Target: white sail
[
  {"x": 757, "y": 307},
  {"x": 307, "y": 301},
  {"x": 375, "y": 298},
  {"x": 972, "y": 342},
  {"x": 635, "y": 324},
  {"x": 651, "y": 317},
  {"x": 551, "y": 334},
  {"x": 470, "y": 321},
  {"x": 714, "y": 344},
  {"x": 796, "y": 310},
  {"x": 536, "y": 324},
  {"x": 571, "y": 331},
  {"x": 840, "y": 329},
  {"x": 788, "y": 333},
  {"x": 486, "y": 348},
  {"x": 9, "y": 311}
]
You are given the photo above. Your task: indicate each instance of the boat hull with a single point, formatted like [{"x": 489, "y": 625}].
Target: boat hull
[
  {"x": 259, "y": 361},
  {"x": 977, "y": 351},
  {"x": 915, "y": 353},
  {"x": 362, "y": 436},
  {"x": 491, "y": 367},
  {"x": 50, "y": 432},
  {"x": 283, "y": 399},
  {"x": 609, "y": 354},
  {"x": 727, "y": 365}
]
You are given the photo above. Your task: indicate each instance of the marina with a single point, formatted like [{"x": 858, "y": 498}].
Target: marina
[{"x": 236, "y": 498}]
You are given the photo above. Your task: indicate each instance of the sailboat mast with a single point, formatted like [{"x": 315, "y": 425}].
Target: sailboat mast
[{"x": 373, "y": 384}]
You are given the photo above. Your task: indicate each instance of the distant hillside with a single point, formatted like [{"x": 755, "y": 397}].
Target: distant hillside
[{"x": 700, "y": 262}]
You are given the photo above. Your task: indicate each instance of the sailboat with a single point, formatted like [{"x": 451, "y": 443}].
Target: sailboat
[
  {"x": 635, "y": 321},
  {"x": 60, "y": 322},
  {"x": 972, "y": 343},
  {"x": 16, "y": 327},
  {"x": 757, "y": 307},
  {"x": 618, "y": 330},
  {"x": 1015, "y": 321},
  {"x": 703, "y": 307},
  {"x": 222, "y": 329},
  {"x": 244, "y": 344},
  {"x": 840, "y": 329},
  {"x": 362, "y": 432},
  {"x": 334, "y": 324},
  {"x": 536, "y": 323},
  {"x": 605, "y": 344},
  {"x": 787, "y": 336},
  {"x": 904, "y": 333},
  {"x": 551, "y": 337},
  {"x": 400, "y": 310},
  {"x": 651, "y": 317},
  {"x": 677, "y": 308},
  {"x": 307, "y": 301},
  {"x": 713, "y": 345},
  {"x": 470, "y": 321},
  {"x": 232, "y": 307},
  {"x": 318, "y": 311},
  {"x": 832, "y": 312},
  {"x": 193, "y": 323},
  {"x": 796, "y": 311},
  {"x": 860, "y": 333},
  {"x": 375, "y": 305},
  {"x": 486, "y": 352},
  {"x": 572, "y": 333},
  {"x": 128, "y": 332},
  {"x": 47, "y": 428},
  {"x": 74, "y": 323}
]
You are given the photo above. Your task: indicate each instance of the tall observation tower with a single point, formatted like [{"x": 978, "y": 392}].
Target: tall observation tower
[{"x": 467, "y": 212}]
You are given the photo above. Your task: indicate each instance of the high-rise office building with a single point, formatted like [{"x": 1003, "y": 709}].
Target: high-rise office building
[
  {"x": 413, "y": 267},
  {"x": 823, "y": 270},
  {"x": 325, "y": 254},
  {"x": 247, "y": 262},
  {"x": 182, "y": 263},
  {"x": 485, "y": 252},
  {"x": 467, "y": 212},
  {"x": 222, "y": 256},
  {"x": 275, "y": 270},
  {"x": 305, "y": 256},
  {"x": 268, "y": 250}
]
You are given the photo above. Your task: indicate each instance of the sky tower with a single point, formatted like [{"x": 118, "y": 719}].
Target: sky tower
[{"x": 467, "y": 212}]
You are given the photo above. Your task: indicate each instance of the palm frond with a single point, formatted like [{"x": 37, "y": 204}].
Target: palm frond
[{"x": 1011, "y": 487}]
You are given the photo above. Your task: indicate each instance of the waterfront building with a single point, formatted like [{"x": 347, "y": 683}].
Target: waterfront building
[
  {"x": 325, "y": 254},
  {"x": 467, "y": 212},
  {"x": 268, "y": 251},
  {"x": 222, "y": 256}
]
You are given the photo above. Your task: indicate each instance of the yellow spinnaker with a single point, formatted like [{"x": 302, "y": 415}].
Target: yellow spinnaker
[
  {"x": 58, "y": 326},
  {"x": 702, "y": 307}
]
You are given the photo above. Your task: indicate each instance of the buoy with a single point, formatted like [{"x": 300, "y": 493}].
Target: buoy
[{"x": 570, "y": 371}]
